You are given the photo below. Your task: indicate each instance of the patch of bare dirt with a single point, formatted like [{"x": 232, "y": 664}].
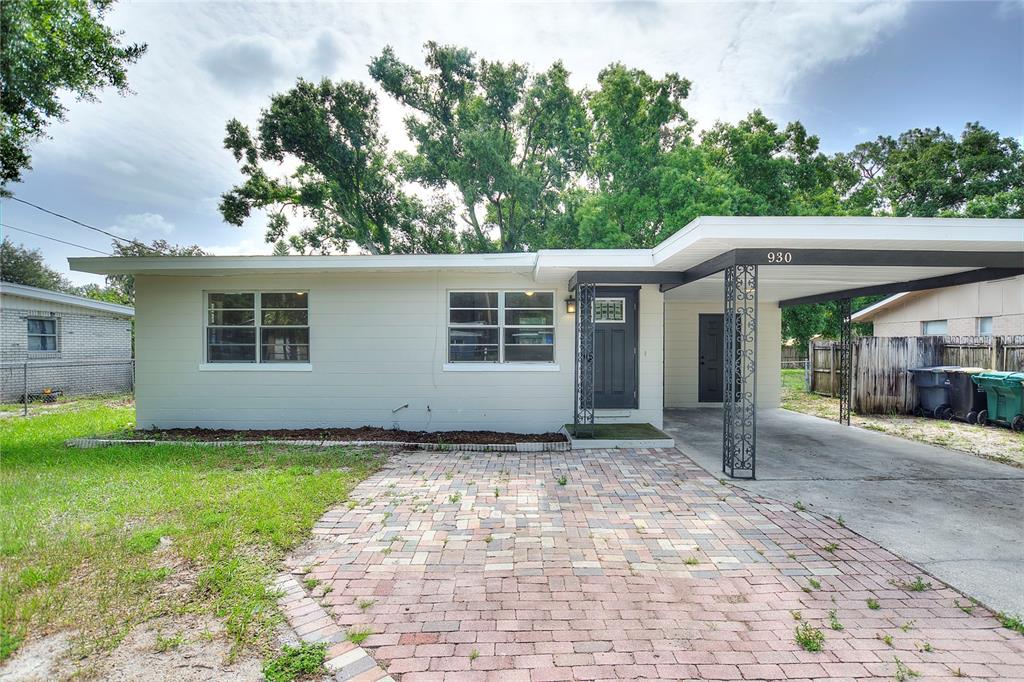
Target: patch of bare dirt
[
  {"x": 364, "y": 433},
  {"x": 182, "y": 648}
]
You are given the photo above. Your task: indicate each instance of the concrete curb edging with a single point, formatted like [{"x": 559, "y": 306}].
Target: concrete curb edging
[
  {"x": 86, "y": 443},
  {"x": 344, "y": 660}
]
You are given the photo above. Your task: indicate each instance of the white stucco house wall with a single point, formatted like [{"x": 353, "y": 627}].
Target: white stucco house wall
[
  {"x": 979, "y": 309},
  {"x": 60, "y": 342},
  {"x": 488, "y": 341}
]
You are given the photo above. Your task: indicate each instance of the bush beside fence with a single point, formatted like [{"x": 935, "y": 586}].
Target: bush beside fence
[{"x": 881, "y": 382}]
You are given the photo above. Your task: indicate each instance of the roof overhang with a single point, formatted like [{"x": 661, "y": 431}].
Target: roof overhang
[
  {"x": 37, "y": 294},
  {"x": 845, "y": 254}
]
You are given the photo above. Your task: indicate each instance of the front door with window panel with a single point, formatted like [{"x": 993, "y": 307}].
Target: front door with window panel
[{"x": 615, "y": 348}]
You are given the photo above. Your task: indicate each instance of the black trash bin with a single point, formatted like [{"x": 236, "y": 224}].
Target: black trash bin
[
  {"x": 932, "y": 390},
  {"x": 966, "y": 398}
]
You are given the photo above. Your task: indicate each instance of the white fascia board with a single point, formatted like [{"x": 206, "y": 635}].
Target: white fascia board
[
  {"x": 37, "y": 294},
  {"x": 523, "y": 262},
  {"x": 875, "y": 307}
]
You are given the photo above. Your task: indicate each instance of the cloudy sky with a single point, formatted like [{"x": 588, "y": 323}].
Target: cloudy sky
[{"x": 152, "y": 165}]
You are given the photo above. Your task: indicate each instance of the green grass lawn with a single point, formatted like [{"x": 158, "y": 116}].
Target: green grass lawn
[{"x": 100, "y": 540}]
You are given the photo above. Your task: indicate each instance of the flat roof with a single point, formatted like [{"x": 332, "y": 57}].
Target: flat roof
[
  {"x": 701, "y": 240},
  {"x": 37, "y": 294}
]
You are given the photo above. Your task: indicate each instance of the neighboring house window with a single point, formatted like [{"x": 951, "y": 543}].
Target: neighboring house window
[
  {"x": 985, "y": 326},
  {"x": 501, "y": 326},
  {"x": 934, "y": 327},
  {"x": 257, "y": 327},
  {"x": 42, "y": 335}
]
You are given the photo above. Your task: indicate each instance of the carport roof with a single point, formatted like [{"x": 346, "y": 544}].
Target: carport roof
[{"x": 703, "y": 240}]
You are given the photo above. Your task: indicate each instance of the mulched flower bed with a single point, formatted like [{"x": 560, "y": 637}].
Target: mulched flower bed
[{"x": 365, "y": 433}]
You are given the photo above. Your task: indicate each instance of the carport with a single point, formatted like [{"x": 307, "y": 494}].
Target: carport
[{"x": 788, "y": 261}]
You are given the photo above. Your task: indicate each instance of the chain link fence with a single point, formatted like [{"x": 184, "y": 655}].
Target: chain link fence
[{"x": 40, "y": 382}]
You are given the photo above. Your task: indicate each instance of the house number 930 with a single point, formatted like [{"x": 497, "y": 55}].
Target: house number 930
[{"x": 780, "y": 257}]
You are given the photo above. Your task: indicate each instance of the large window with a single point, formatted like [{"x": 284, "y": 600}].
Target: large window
[
  {"x": 42, "y": 335},
  {"x": 985, "y": 326},
  {"x": 257, "y": 327},
  {"x": 934, "y": 328},
  {"x": 501, "y": 326}
]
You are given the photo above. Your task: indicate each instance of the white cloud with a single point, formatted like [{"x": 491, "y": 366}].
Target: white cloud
[
  {"x": 243, "y": 247},
  {"x": 142, "y": 226}
]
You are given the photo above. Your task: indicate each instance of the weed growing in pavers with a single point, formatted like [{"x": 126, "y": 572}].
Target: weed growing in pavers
[
  {"x": 966, "y": 609},
  {"x": 809, "y": 637},
  {"x": 562, "y": 480},
  {"x": 885, "y": 638},
  {"x": 474, "y": 654},
  {"x": 296, "y": 662},
  {"x": 386, "y": 551},
  {"x": 310, "y": 583},
  {"x": 351, "y": 504},
  {"x": 691, "y": 561},
  {"x": 448, "y": 475},
  {"x": 358, "y": 635},
  {"x": 1011, "y": 622},
  {"x": 398, "y": 538},
  {"x": 796, "y": 615},
  {"x": 497, "y": 492},
  {"x": 799, "y": 506},
  {"x": 908, "y": 626},
  {"x": 925, "y": 647},
  {"x": 455, "y": 497},
  {"x": 831, "y": 547},
  {"x": 833, "y": 620},
  {"x": 387, "y": 515},
  {"x": 904, "y": 673},
  {"x": 366, "y": 603},
  {"x": 873, "y": 604},
  {"x": 814, "y": 583},
  {"x": 840, "y": 522},
  {"x": 918, "y": 585},
  {"x": 489, "y": 539},
  {"x": 167, "y": 643},
  {"x": 956, "y": 673},
  {"x": 791, "y": 556}
]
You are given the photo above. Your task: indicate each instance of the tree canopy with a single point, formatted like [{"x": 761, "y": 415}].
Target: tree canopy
[
  {"x": 49, "y": 48},
  {"x": 507, "y": 158}
]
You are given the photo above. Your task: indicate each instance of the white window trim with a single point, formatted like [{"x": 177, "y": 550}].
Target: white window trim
[
  {"x": 520, "y": 366},
  {"x": 258, "y": 364},
  {"x": 255, "y": 366},
  {"x": 507, "y": 366},
  {"x": 56, "y": 336}
]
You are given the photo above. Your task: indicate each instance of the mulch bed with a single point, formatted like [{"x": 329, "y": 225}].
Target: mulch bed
[{"x": 362, "y": 433}]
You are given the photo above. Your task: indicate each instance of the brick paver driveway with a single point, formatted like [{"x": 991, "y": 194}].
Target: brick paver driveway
[{"x": 487, "y": 566}]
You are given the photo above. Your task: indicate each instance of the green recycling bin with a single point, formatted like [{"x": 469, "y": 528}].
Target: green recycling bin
[{"x": 1005, "y": 398}]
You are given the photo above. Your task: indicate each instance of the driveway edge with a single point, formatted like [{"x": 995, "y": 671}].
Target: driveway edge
[{"x": 312, "y": 624}]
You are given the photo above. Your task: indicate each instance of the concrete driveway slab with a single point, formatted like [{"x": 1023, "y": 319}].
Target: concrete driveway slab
[
  {"x": 956, "y": 515},
  {"x": 624, "y": 564}
]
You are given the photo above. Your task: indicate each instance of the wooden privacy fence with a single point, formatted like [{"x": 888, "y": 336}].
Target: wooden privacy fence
[
  {"x": 881, "y": 382},
  {"x": 793, "y": 357}
]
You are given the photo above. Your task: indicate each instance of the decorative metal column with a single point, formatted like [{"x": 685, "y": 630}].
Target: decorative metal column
[
  {"x": 845, "y": 360},
  {"x": 739, "y": 433},
  {"x": 583, "y": 415}
]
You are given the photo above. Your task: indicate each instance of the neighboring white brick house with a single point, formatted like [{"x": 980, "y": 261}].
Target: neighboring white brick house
[{"x": 61, "y": 342}]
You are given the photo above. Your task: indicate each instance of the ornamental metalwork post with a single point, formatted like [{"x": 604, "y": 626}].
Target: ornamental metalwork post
[
  {"x": 845, "y": 360},
  {"x": 739, "y": 409},
  {"x": 583, "y": 415}
]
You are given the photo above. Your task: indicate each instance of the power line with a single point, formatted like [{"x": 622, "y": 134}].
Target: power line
[
  {"x": 46, "y": 236},
  {"x": 87, "y": 226}
]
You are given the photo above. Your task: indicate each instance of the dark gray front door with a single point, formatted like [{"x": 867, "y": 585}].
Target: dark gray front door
[
  {"x": 710, "y": 347},
  {"x": 615, "y": 351}
]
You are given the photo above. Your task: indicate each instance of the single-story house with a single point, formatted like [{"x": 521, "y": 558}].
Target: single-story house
[
  {"x": 976, "y": 309},
  {"x": 520, "y": 341},
  {"x": 59, "y": 343}
]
